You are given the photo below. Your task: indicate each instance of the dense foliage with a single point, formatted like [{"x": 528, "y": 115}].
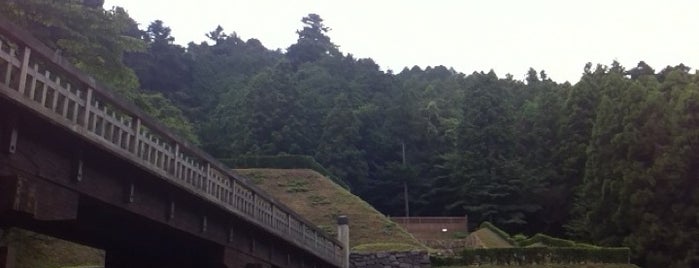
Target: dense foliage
[
  {"x": 535, "y": 255},
  {"x": 95, "y": 40},
  {"x": 609, "y": 159}
]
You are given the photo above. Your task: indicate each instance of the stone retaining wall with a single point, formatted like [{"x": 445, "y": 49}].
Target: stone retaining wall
[{"x": 399, "y": 259}]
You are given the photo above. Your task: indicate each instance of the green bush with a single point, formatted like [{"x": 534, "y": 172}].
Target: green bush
[
  {"x": 282, "y": 162},
  {"x": 437, "y": 261},
  {"x": 460, "y": 235},
  {"x": 553, "y": 242},
  {"x": 538, "y": 255},
  {"x": 519, "y": 238},
  {"x": 504, "y": 235},
  {"x": 548, "y": 241}
]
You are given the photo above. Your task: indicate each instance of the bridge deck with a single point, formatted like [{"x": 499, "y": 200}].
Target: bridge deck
[{"x": 35, "y": 77}]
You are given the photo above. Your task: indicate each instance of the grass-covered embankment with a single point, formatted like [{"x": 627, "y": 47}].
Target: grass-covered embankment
[{"x": 319, "y": 200}]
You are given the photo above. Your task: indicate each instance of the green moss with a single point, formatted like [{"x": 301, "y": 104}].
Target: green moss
[
  {"x": 295, "y": 186},
  {"x": 255, "y": 177},
  {"x": 329, "y": 230},
  {"x": 317, "y": 200},
  {"x": 388, "y": 228}
]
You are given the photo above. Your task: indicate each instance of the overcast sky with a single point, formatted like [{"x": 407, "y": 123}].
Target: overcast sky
[{"x": 507, "y": 36}]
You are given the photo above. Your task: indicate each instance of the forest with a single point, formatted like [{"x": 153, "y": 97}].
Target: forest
[{"x": 610, "y": 159}]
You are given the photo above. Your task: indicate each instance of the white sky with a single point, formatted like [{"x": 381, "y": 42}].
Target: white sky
[{"x": 558, "y": 36}]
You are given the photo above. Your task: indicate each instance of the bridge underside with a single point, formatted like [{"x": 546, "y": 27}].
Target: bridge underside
[{"x": 53, "y": 183}]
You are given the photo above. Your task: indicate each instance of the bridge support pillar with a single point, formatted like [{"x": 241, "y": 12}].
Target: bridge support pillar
[
  {"x": 115, "y": 259},
  {"x": 131, "y": 259},
  {"x": 16, "y": 194},
  {"x": 36, "y": 199},
  {"x": 182, "y": 257},
  {"x": 7, "y": 257},
  {"x": 234, "y": 259}
]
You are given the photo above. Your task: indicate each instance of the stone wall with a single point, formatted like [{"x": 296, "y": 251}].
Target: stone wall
[{"x": 399, "y": 259}]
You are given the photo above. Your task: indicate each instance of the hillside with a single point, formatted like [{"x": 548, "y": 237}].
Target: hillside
[
  {"x": 320, "y": 200},
  {"x": 489, "y": 239},
  {"x": 39, "y": 251}
]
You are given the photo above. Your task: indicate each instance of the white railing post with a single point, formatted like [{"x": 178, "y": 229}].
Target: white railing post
[
  {"x": 343, "y": 235},
  {"x": 88, "y": 108},
  {"x": 177, "y": 161},
  {"x": 23, "y": 70},
  {"x": 136, "y": 124}
]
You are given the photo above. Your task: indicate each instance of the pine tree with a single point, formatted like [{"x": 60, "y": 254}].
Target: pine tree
[
  {"x": 484, "y": 168},
  {"x": 337, "y": 149}
]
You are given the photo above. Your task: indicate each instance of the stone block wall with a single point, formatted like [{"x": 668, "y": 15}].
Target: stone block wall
[{"x": 394, "y": 259}]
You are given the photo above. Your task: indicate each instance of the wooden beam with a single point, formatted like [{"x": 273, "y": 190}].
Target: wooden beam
[{"x": 18, "y": 194}]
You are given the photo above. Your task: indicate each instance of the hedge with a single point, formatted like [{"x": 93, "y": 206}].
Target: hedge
[
  {"x": 282, "y": 162},
  {"x": 553, "y": 242},
  {"x": 536, "y": 255},
  {"x": 504, "y": 235}
]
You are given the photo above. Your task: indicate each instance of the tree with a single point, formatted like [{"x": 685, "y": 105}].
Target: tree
[
  {"x": 164, "y": 66},
  {"x": 217, "y": 35},
  {"x": 484, "y": 167},
  {"x": 337, "y": 149},
  {"x": 537, "y": 130},
  {"x": 642, "y": 69},
  {"x": 313, "y": 43},
  {"x": 92, "y": 38},
  {"x": 273, "y": 115}
]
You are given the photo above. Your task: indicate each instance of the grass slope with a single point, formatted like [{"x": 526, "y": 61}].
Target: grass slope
[
  {"x": 40, "y": 251},
  {"x": 319, "y": 200},
  {"x": 490, "y": 239}
]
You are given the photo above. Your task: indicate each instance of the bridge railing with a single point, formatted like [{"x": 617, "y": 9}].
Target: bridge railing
[{"x": 34, "y": 76}]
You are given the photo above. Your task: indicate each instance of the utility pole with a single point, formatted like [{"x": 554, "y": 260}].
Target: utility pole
[{"x": 405, "y": 185}]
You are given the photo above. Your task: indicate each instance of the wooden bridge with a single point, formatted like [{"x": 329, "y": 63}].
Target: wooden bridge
[{"x": 79, "y": 163}]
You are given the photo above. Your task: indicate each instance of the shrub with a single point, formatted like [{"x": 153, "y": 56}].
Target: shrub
[
  {"x": 539, "y": 255},
  {"x": 504, "y": 235},
  {"x": 553, "y": 242},
  {"x": 460, "y": 235},
  {"x": 519, "y": 238},
  {"x": 437, "y": 261},
  {"x": 548, "y": 241}
]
